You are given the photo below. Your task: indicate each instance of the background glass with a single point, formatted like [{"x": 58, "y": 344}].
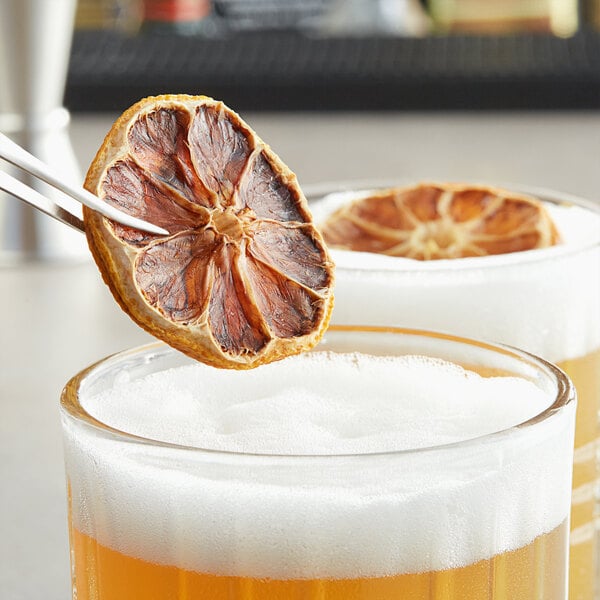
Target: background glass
[
  {"x": 484, "y": 518},
  {"x": 547, "y": 302}
]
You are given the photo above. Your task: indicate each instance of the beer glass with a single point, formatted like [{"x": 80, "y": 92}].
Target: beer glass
[
  {"x": 481, "y": 516},
  {"x": 544, "y": 301}
]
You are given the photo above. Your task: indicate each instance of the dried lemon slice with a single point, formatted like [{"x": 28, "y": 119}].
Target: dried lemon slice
[
  {"x": 433, "y": 221},
  {"x": 243, "y": 278}
]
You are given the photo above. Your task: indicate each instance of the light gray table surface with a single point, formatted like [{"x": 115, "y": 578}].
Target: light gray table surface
[{"x": 57, "y": 319}]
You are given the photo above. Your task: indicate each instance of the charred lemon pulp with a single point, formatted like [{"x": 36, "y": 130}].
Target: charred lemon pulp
[
  {"x": 434, "y": 221},
  {"x": 243, "y": 278}
]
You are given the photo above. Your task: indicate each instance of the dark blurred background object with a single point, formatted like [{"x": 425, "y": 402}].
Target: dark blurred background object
[{"x": 313, "y": 55}]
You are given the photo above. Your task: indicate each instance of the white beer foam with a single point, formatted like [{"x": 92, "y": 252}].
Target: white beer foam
[
  {"x": 545, "y": 301},
  {"x": 335, "y": 516},
  {"x": 291, "y": 407}
]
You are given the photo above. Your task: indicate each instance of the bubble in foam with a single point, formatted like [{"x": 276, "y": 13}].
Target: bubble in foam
[{"x": 319, "y": 403}]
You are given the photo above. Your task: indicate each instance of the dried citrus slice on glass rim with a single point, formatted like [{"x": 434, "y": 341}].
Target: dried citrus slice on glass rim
[
  {"x": 440, "y": 220},
  {"x": 243, "y": 278}
]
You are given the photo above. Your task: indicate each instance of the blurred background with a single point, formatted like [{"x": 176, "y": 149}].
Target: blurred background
[
  {"x": 426, "y": 88},
  {"x": 339, "y": 54},
  {"x": 318, "y": 78}
]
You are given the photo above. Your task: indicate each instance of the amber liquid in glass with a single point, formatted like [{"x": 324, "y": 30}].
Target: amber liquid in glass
[
  {"x": 585, "y": 373},
  {"x": 537, "y": 570}
]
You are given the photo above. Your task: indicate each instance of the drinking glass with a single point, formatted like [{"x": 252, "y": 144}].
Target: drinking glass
[
  {"x": 485, "y": 517},
  {"x": 544, "y": 301}
]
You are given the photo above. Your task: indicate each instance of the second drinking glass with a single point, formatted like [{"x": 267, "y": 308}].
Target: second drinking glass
[{"x": 545, "y": 301}]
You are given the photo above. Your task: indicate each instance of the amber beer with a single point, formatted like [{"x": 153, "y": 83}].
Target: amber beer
[
  {"x": 544, "y": 301},
  {"x": 523, "y": 574},
  {"x": 366, "y": 476},
  {"x": 584, "y": 371}
]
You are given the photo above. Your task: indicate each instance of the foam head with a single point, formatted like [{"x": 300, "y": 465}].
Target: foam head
[
  {"x": 544, "y": 301},
  {"x": 372, "y": 404},
  {"x": 353, "y": 512}
]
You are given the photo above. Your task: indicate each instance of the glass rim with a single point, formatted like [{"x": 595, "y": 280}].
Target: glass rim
[
  {"x": 565, "y": 395},
  {"x": 318, "y": 191}
]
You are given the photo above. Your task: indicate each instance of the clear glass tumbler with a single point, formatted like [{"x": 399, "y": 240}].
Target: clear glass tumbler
[
  {"x": 544, "y": 301},
  {"x": 485, "y": 517}
]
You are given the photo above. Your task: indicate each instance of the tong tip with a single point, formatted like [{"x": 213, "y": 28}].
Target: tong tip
[{"x": 129, "y": 220}]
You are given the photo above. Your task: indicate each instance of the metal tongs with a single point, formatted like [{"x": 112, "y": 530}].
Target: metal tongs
[{"x": 19, "y": 157}]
